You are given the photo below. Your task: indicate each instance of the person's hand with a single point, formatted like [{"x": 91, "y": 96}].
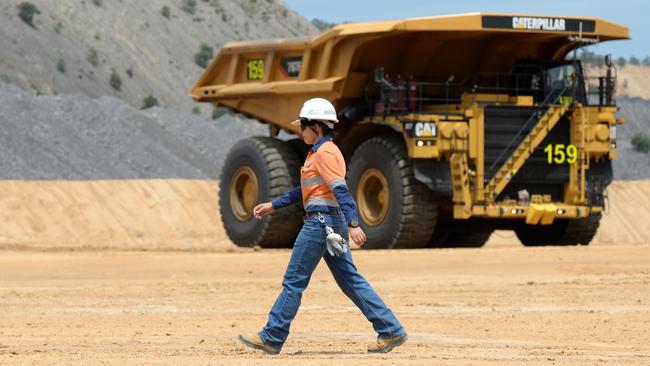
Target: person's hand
[
  {"x": 357, "y": 235},
  {"x": 262, "y": 210}
]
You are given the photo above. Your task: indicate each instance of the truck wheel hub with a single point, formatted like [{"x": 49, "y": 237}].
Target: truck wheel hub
[
  {"x": 244, "y": 193},
  {"x": 373, "y": 196}
]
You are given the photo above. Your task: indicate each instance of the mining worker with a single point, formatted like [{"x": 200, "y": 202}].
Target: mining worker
[{"x": 330, "y": 209}]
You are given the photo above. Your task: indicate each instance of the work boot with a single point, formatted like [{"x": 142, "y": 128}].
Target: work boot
[
  {"x": 385, "y": 345},
  {"x": 254, "y": 341}
]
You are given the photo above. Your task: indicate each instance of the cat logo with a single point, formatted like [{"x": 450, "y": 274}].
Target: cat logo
[{"x": 425, "y": 129}]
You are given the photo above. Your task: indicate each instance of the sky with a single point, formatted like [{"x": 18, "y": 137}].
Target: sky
[{"x": 634, "y": 14}]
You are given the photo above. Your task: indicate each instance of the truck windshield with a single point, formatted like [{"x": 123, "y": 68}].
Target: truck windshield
[{"x": 561, "y": 75}]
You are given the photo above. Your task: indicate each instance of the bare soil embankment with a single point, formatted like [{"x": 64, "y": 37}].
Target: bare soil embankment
[{"x": 184, "y": 215}]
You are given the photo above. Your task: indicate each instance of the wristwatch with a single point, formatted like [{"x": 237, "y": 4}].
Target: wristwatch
[{"x": 353, "y": 223}]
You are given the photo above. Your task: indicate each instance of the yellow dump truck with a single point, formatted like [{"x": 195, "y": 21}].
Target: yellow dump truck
[{"x": 452, "y": 127}]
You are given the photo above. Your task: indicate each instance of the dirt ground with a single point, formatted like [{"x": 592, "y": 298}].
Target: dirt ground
[
  {"x": 499, "y": 305},
  {"x": 141, "y": 272}
]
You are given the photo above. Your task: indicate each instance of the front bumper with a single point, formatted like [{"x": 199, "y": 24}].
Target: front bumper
[{"x": 533, "y": 213}]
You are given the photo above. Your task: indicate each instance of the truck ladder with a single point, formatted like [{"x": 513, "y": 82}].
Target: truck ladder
[{"x": 525, "y": 149}]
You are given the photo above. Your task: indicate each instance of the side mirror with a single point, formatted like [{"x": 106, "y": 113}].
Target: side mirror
[{"x": 608, "y": 60}]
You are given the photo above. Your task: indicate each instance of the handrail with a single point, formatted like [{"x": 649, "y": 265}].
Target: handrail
[
  {"x": 404, "y": 95},
  {"x": 489, "y": 171},
  {"x": 448, "y": 90}
]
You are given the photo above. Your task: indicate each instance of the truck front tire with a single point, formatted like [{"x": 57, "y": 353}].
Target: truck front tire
[
  {"x": 257, "y": 170},
  {"x": 395, "y": 210}
]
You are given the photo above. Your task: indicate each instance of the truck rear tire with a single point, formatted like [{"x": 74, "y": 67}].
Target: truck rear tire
[
  {"x": 256, "y": 170},
  {"x": 395, "y": 210},
  {"x": 561, "y": 232},
  {"x": 474, "y": 239},
  {"x": 471, "y": 233},
  {"x": 582, "y": 231}
]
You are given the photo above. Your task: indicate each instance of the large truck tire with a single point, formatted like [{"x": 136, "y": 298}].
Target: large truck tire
[
  {"x": 395, "y": 210},
  {"x": 582, "y": 231},
  {"x": 471, "y": 233},
  {"x": 256, "y": 170},
  {"x": 300, "y": 148},
  {"x": 561, "y": 232},
  {"x": 469, "y": 239}
]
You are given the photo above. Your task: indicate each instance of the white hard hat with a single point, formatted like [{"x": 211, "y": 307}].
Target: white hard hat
[{"x": 318, "y": 109}]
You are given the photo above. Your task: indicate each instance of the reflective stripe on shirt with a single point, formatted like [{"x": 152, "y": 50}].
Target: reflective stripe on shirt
[
  {"x": 338, "y": 182},
  {"x": 311, "y": 181},
  {"x": 320, "y": 201}
]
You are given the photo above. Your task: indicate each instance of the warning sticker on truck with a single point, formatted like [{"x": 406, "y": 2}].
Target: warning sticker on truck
[{"x": 290, "y": 66}]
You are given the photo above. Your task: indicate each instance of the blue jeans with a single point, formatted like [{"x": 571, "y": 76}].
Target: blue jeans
[{"x": 308, "y": 250}]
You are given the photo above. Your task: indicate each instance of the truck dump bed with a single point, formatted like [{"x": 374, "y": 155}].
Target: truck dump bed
[{"x": 269, "y": 80}]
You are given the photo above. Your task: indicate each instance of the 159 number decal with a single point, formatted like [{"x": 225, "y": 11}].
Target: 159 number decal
[
  {"x": 560, "y": 154},
  {"x": 255, "y": 69}
]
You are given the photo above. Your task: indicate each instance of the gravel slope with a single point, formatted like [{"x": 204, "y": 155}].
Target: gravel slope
[
  {"x": 76, "y": 137},
  {"x": 131, "y": 35}
]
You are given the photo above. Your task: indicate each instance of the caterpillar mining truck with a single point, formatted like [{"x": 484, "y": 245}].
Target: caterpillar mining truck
[{"x": 451, "y": 127}]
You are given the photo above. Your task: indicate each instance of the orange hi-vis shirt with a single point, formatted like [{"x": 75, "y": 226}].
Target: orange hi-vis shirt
[
  {"x": 322, "y": 182},
  {"x": 324, "y": 170}
]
